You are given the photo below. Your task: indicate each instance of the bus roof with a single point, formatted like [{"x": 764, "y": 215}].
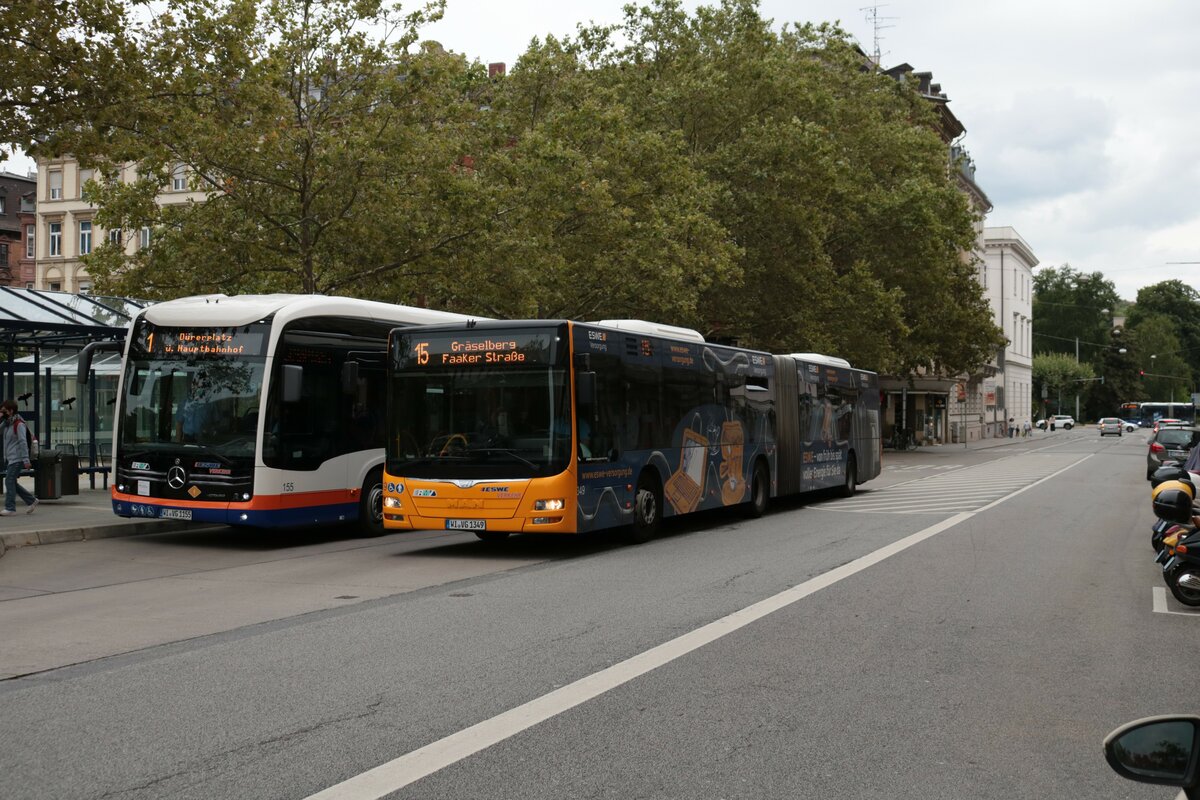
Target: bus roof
[
  {"x": 818, "y": 358},
  {"x": 219, "y": 310},
  {"x": 653, "y": 328}
]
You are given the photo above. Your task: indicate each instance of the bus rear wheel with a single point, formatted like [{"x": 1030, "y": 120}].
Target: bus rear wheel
[
  {"x": 760, "y": 491},
  {"x": 851, "y": 484},
  {"x": 370, "y": 504},
  {"x": 647, "y": 511}
]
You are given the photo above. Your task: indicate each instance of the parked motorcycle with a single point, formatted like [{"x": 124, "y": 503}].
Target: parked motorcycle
[
  {"x": 1181, "y": 568},
  {"x": 1176, "y": 479}
]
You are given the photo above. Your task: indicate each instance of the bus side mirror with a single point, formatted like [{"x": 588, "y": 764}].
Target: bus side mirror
[
  {"x": 350, "y": 377},
  {"x": 83, "y": 367},
  {"x": 585, "y": 389},
  {"x": 293, "y": 382}
]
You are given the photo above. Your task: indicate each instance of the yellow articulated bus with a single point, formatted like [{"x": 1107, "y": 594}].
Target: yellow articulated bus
[{"x": 565, "y": 427}]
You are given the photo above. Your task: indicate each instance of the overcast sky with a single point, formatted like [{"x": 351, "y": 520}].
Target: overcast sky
[{"x": 1081, "y": 116}]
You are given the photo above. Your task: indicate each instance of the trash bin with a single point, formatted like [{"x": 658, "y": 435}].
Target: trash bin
[
  {"x": 47, "y": 476},
  {"x": 70, "y": 473}
]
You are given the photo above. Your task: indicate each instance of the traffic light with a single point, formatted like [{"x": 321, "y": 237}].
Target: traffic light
[{"x": 1141, "y": 373}]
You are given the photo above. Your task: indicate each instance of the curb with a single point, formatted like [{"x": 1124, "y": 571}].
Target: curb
[{"x": 60, "y": 535}]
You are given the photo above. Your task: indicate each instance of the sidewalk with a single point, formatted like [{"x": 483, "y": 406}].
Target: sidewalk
[{"x": 87, "y": 515}]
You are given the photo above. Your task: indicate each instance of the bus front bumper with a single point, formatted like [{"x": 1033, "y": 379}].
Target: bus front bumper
[{"x": 551, "y": 522}]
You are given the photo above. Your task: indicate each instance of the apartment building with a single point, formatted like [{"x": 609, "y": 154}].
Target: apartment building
[
  {"x": 1007, "y": 278},
  {"x": 16, "y": 197},
  {"x": 65, "y": 226}
]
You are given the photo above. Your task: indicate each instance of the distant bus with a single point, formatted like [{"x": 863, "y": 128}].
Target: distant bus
[
  {"x": 262, "y": 411},
  {"x": 566, "y": 427},
  {"x": 1146, "y": 414}
]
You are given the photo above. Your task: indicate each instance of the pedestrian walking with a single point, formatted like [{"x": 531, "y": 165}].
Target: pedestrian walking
[
  {"x": 13, "y": 435},
  {"x": 1012, "y": 427},
  {"x": 1026, "y": 429}
]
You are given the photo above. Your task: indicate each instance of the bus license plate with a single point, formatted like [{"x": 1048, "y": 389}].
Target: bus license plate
[
  {"x": 466, "y": 524},
  {"x": 176, "y": 513}
]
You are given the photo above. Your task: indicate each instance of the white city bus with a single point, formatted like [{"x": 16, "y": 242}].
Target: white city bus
[{"x": 256, "y": 410}]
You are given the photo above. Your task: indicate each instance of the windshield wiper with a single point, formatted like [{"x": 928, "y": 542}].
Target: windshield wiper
[{"x": 508, "y": 452}]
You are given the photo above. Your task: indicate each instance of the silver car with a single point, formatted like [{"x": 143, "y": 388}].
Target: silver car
[{"x": 1109, "y": 425}]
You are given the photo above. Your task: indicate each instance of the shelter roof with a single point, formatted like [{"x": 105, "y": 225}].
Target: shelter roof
[{"x": 33, "y": 318}]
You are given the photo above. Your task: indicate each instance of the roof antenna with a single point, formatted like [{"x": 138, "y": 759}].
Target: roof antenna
[{"x": 872, "y": 16}]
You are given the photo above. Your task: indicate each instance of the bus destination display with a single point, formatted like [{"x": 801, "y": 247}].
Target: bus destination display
[
  {"x": 202, "y": 342},
  {"x": 508, "y": 349}
]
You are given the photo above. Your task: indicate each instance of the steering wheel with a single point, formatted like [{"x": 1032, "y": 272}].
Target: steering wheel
[{"x": 456, "y": 443}]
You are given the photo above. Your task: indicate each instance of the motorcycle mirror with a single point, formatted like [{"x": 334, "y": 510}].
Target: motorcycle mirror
[{"x": 1160, "y": 750}]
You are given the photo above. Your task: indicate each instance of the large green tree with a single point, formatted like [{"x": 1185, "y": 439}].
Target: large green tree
[
  {"x": 1072, "y": 312},
  {"x": 1179, "y": 303},
  {"x": 1061, "y": 378},
  {"x": 66, "y": 64},
  {"x": 830, "y": 178},
  {"x": 327, "y": 153},
  {"x": 591, "y": 215},
  {"x": 707, "y": 169}
]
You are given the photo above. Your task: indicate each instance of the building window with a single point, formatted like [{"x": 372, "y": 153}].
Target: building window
[
  {"x": 2, "y": 199},
  {"x": 114, "y": 237},
  {"x": 56, "y": 185},
  {"x": 144, "y": 238},
  {"x": 28, "y": 284},
  {"x": 30, "y": 241},
  {"x": 3, "y": 255},
  {"x": 56, "y": 287},
  {"x": 85, "y": 288},
  {"x": 179, "y": 178},
  {"x": 85, "y": 237},
  {"x": 85, "y": 175},
  {"x": 55, "y": 239}
]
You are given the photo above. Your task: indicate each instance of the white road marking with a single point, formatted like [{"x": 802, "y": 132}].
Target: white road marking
[
  {"x": 964, "y": 489},
  {"x": 411, "y": 767},
  {"x": 1160, "y": 604}
]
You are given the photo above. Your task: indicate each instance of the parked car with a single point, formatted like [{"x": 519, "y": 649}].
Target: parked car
[
  {"x": 1060, "y": 421},
  {"x": 1171, "y": 443},
  {"x": 1109, "y": 425}
]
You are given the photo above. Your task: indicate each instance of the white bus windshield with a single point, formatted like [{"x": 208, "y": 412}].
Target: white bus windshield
[{"x": 211, "y": 404}]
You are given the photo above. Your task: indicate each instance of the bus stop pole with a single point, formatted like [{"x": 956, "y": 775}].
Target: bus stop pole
[{"x": 92, "y": 431}]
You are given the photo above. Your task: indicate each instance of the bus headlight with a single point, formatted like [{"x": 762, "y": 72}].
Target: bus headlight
[
  {"x": 391, "y": 502},
  {"x": 547, "y": 505}
]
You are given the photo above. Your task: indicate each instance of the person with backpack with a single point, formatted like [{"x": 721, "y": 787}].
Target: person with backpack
[{"x": 14, "y": 436}]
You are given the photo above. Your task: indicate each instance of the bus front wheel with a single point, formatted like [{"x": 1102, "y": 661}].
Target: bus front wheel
[
  {"x": 370, "y": 504},
  {"x": 647, "y": 511}
]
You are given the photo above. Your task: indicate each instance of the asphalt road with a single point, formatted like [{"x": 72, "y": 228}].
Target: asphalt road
[{"x": 986, "y": 657}]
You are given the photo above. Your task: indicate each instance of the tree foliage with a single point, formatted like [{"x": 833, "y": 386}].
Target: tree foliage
[
  {"x": 1061, "y": 376},
  {"x": 66, "y": 65},
  {"x": 709, "y": 169},
  {"x": 1176, "y": 305}
]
